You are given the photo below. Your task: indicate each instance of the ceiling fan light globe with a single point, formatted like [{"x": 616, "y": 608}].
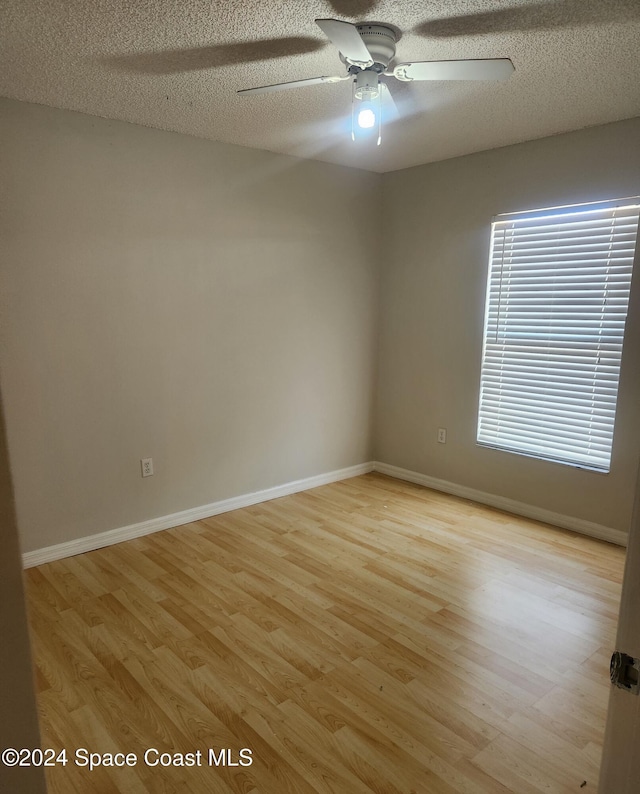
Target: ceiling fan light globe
[{"x": 366, "y": 118}]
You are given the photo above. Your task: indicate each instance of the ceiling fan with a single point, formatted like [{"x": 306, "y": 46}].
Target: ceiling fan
[{"x": 367, "y": 50}]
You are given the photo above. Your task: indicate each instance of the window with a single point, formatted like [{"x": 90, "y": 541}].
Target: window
[{"x": 557, "y": 300}]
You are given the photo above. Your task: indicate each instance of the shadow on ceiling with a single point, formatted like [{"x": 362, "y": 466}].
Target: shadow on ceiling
[
  {"x": 197, "y": 58},
  {"x": 535, "y": 16},
  {"x": 538, "y": 15},
  {"x": 353, "y": 8}
]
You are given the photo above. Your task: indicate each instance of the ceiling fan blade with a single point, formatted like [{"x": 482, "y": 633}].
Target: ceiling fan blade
[
  {"x": 269, "y": 89},
  {"x": 194, "y": 59},
  {"x": 480, "y": 69},
  {"x": 346, "y": 38}
]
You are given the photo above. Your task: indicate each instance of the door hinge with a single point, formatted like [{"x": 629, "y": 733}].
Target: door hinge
[{"x": 625, "y": 672}]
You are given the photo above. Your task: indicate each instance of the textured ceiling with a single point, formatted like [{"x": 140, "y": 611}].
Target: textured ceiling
[{"x": 177, "y": 64}]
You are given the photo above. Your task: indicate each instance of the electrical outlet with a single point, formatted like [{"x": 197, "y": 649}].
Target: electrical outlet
[
  {"x": 147, "y": 467},
  {"x": 442, "y": 435}
]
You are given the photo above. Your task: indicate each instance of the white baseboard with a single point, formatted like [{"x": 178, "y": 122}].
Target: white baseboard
[
  {"x": 102, "y": 539},
  {"x": 510, "y": 505}
]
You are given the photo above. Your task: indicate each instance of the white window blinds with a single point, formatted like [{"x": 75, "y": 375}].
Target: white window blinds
[{"x": 557, "y": 302}]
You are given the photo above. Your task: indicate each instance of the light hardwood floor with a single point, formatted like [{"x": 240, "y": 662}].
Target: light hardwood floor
[{"x": 365, "y": 636}]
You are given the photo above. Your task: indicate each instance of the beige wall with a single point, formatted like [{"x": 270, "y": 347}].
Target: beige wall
[
  {"x": 216, "y": 308},
  {"x": 209, "y": 306},
  {"x": 437, "y": 220},
  {"x": 19, "y": 721}
]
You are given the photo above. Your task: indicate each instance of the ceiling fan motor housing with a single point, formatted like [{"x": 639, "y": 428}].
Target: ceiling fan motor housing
[{"x": 381, "y": 43}]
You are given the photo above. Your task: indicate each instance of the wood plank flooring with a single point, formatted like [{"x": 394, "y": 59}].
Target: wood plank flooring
[{"x": 365, "y": 636}]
